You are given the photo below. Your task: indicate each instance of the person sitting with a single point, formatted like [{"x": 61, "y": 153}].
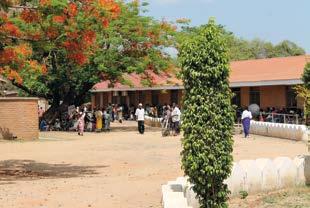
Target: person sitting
[{"x": 43, "y": 125}]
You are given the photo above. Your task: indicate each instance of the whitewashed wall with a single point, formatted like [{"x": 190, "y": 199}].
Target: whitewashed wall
[
  {"x": 286, "y": 131},
  {"x": 154, "y": 122},
  {"x": 252, "y": 176}
]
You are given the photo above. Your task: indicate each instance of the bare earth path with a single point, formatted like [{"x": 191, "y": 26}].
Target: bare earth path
[{"x": 120, "y": 169}]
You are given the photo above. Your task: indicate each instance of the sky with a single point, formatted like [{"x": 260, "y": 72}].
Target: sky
[{"x": 270, "y": 20}]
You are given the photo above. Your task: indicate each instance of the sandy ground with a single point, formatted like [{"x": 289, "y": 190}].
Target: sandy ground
[{"x": 120, "y": 169}]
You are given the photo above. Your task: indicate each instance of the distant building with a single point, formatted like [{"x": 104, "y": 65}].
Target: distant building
[{"x": 266, "y": 82}]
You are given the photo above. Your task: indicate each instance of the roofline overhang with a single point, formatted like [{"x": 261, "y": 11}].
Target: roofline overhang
[
  {"x": 177, "y": 87},
  {"x": 266, "y": 83},
  {"x": 232, "y": 84}
]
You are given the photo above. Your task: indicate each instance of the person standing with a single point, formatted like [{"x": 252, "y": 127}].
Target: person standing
[
  {"x": 98, "y": 115},
  {"x": 246, "y": 122},
  {"x": 40, "y": 114},
  {"x": 120, "y": 113},
  {"x": 140, "y": 118},
  {"x": 107, "y": 120},
  {"x": 176, "y": 117},
  {"x": 81, "y": 123}
]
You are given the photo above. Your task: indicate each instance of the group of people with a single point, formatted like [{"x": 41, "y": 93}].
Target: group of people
[
  {"x": 105, "y": 116},
  {"x": 172, "y": 115}
]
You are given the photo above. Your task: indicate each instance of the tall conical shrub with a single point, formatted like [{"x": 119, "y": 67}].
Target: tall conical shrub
[{"x": 208, "y": 115}]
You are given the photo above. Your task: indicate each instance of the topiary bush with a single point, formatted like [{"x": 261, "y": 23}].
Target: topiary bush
[{"x": 208, "y": 116}]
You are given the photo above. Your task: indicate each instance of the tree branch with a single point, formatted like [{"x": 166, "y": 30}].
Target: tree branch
[{"x": 31, "y": 92}]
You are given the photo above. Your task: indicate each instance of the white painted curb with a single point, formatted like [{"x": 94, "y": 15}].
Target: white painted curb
[{"x": 252, "y": 176}]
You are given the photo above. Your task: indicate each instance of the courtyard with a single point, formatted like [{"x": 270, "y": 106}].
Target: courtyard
[{"x": 119, "y": 169}]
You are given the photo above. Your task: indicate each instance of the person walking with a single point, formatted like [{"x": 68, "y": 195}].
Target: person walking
[
  {"x": 246, "y": 122},
  {"x": 176, "y": 117},
  {"x": 140, "y": 118}
]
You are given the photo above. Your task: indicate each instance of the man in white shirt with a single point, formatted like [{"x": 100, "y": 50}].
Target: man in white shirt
[
  {"x": 246, "y": 122},
  {"x": 176, "y": 117},
  {"x": 140, "y": 118}
]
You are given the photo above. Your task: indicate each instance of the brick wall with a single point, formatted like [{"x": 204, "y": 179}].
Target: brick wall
[
  {"x": 19, "y": 117},
  {"x": 273, "y": 96},
  {"x": 245, "y": 97}
]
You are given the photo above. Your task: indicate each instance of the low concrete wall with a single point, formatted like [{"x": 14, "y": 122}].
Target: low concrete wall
[
  {"x": 19, "y": 118},
  {"x": 153, "y": 122},
  {"x": 286, "y": 131},
  {"x": 252, "y": 176}
]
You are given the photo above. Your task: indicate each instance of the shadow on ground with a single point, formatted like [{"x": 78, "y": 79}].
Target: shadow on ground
[
  {"x": 15, "y": 170},
  {"x": 134, "y": 128}
]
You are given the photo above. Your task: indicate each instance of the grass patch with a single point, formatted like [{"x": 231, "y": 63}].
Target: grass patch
[{"x": 287, "y": 198}]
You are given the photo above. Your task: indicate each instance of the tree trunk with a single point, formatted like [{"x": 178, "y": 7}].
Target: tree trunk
[{"x": 54, "y": 112}]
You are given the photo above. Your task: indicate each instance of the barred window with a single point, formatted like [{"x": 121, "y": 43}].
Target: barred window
[{"x": 255, "y": 95}]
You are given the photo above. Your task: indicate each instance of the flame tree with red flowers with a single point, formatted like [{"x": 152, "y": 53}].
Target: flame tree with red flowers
[{"x": 58, "y": 49}]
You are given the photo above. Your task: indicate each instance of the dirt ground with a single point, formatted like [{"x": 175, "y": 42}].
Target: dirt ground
[{"x": 119, "y": 169}]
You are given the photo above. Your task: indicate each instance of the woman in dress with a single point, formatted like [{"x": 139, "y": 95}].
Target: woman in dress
[
  {"x": 246, "y": 122},
  {"x": 81, "y": 123},
  {"x": 98, "y": 115}
]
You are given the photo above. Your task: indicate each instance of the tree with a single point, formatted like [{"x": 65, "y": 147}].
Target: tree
[
  {"x": 303, "y": 91},
  {"x": 288, "y": 48},
  {"x": 241, "y": 49},
  {"x": 58, "y": 49},
  {"x": 208, "y": 115}
]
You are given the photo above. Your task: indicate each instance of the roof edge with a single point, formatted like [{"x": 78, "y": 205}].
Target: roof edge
[{"x": 233, "y": 84}]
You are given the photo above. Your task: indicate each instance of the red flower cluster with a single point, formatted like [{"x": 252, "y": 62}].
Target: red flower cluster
[
  {"x": 23, "y": 50},
  {"x": 7, "y": 56},
  {"x": 44, "y": 69},
  {"x": 13, "y": 75},
  {"x": 75, "y": 52},
  {"x": 111, "y": 6},
  {"x": 10, "y": 29},
  {"x": 52, "y": 32},
  {"x": 71, "y": 45},
  {"x": 35, "y": 36},
  {"x": 89, "y": 37},
  {"x": 29, "y": 16},
  {"x": 72, "y": 10},
  {"x": 115, "y": 10},
  {"x": 78, "y": 57},
  {"x": 45, "y": 2},
  {"x": 59, "y": 19},
  {"x": 105, "y": 23}
]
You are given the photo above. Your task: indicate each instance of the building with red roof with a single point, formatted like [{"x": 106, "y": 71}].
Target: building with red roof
[{"x": 266, "y": 82}]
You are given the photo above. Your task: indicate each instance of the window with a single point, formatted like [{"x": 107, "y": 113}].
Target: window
[
  {"x": 236, "y": 100},
  {"x": 174, "y": 96},
  {"x": 155, "y": 98},
  {"x": 291, "y": 101},
  {"x": 132, "y": 97},
  {"x": 115, "y": 97},
  {"x": 141, "y": 96},
  {"x": 254, "y": 95}
]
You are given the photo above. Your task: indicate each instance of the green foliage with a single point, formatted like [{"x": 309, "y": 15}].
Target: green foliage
[
  {"x": 306, "y": 76},
  {"x": 130, "y": 42},
  {"x": 241, "y": 49},
  {"x": 303, "y": 91},
  {"x": 208, "y": 115},
  {"x": 243, "y": 194}
]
